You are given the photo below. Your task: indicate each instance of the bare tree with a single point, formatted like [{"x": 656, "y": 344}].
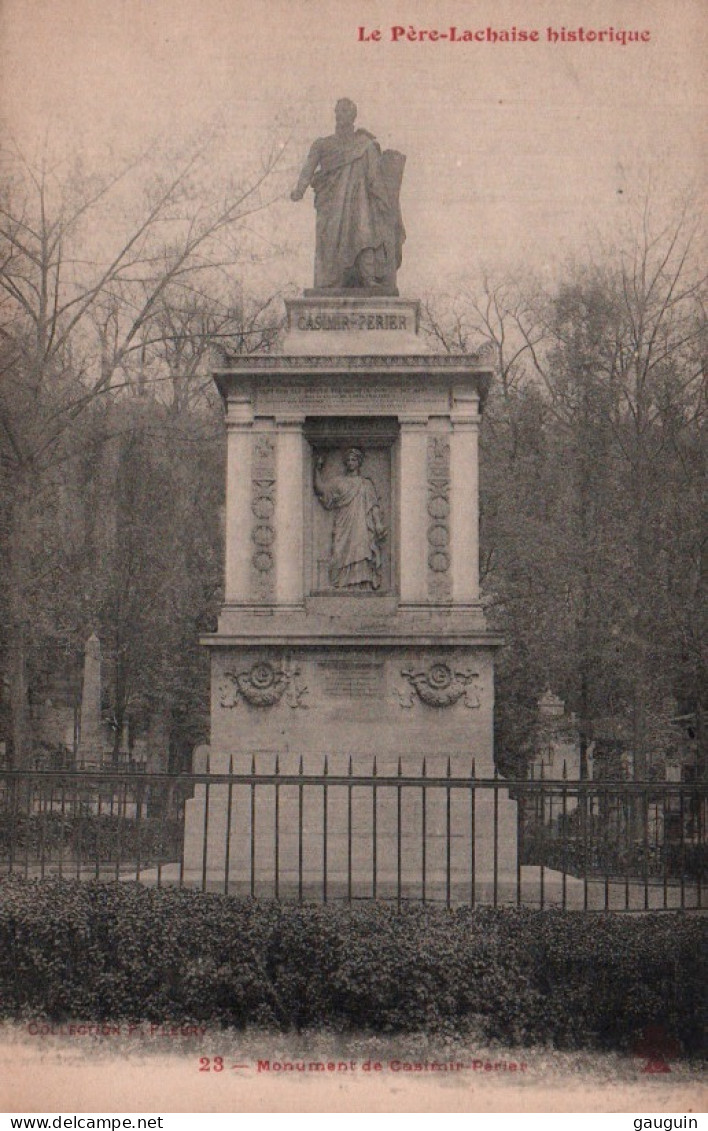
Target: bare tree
[
  {"x": 89, "y": 268},
  {"x": 623, "y": 370},
  {"x": 593, "y": 483}
]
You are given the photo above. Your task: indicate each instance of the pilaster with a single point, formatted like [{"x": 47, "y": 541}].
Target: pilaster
[
  {"x": 413, "y": 448},
  {"x": 289, "y": 511},
  {"x": 464, "y": 475},
  {"x": 239, "y": 423},
  {"x": 263, "y": 525}
]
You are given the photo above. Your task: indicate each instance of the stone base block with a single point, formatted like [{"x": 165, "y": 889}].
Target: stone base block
[
  {"x": 356, "y": 840},
  {"x": 362, "y": 700}
]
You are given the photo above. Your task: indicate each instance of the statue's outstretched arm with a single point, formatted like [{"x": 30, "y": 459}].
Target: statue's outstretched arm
[{"x": 308, "y": 172}]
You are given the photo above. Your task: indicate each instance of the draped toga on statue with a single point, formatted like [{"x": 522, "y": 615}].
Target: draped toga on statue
[
  {"x": 353, "y": 210},
  {"x": 356, "y": 556},
  {"x": 357, "y": 530},
  {"x": 359, "y": 231}
]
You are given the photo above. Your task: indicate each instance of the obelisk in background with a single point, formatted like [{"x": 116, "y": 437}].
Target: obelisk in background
[{"x": 90, "y": 741}]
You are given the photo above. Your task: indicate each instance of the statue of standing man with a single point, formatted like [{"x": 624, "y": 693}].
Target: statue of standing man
[{"x": 359, "y": 232}]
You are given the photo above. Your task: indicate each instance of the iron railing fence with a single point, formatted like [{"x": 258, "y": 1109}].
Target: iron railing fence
[
  {"x": 290, "y": 834},
  {"x": 85, "y": 823},
  {"x": 617, "y": 833}
]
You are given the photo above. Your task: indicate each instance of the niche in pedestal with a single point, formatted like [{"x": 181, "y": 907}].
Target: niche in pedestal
[{"x": 351, "y": 515}]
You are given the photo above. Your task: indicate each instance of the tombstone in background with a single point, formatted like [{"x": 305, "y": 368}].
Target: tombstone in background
[{"x": 352, "y": 625}]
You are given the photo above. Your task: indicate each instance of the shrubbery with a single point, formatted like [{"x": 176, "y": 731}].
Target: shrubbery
[{"x": 121, "y": 951}]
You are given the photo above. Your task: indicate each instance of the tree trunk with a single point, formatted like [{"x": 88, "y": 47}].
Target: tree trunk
[{"x": 20, "y": 751}]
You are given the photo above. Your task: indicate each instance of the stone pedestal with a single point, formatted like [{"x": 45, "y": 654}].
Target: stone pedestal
[{"x": 304, "y": 668}]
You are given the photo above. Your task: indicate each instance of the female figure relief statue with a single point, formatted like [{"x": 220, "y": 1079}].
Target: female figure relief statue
[{"x": 357, "y": 530}]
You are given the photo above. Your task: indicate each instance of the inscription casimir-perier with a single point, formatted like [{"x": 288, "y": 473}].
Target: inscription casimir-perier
[{"x": 319, "y": 320}]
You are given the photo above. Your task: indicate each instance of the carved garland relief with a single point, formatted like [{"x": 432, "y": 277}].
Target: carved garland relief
[
  {"x": 438, "y": 532},
  {"x": 263, "y": 486},
  {"x": 440, "y": 685},
  {"x": 263, "y": 685}
]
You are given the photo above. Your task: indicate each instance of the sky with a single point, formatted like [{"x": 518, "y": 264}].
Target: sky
[{"x": 515, "y": 152}]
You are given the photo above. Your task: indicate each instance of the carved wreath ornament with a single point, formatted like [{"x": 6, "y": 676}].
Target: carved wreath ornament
[
  {"x": 263, "y": 685},
  {"x": 440, "y": 686}
]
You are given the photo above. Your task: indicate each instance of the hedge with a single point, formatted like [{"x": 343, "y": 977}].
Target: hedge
[{"x": 109, "y": 952}]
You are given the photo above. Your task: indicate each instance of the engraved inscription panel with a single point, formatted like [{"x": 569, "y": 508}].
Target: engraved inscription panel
[
  {"x": 314, "y": 319},
  {"x": 353, "y": 679},
  {"x": 337, "y": 398}
]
